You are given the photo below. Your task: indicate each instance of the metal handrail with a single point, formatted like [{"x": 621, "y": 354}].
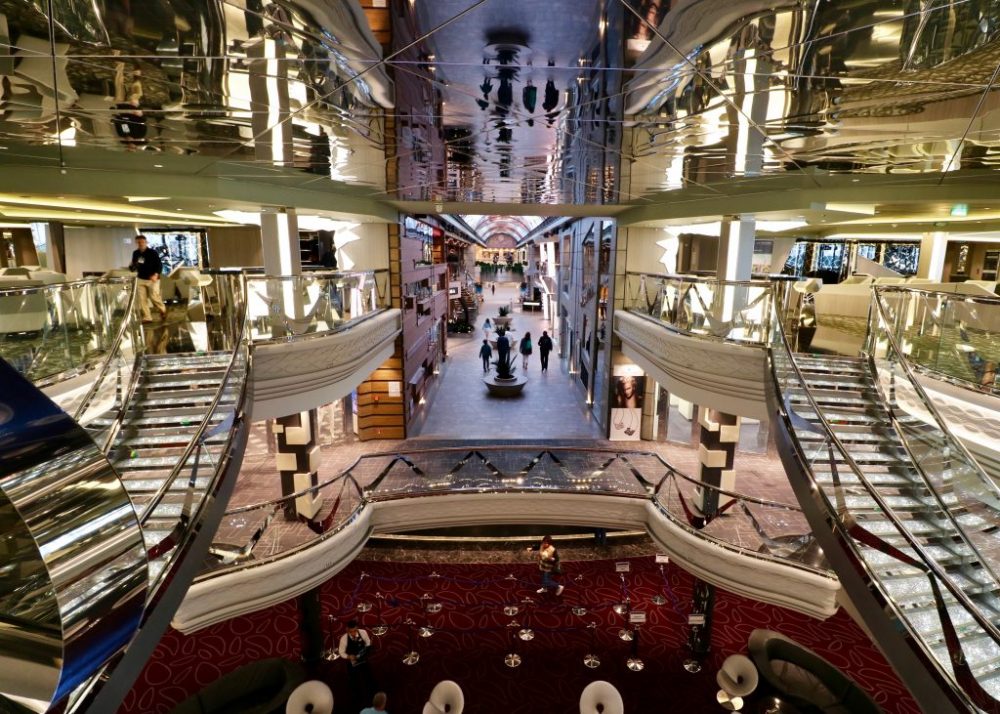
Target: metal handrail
[
  {"x": 681, "y": 278},
  {"x": 61, "y": 287},
  {"x": 127, "y": 323},
  {"x": 368, "y": 496},
  {"x": 195, "y": 440},
  {"x": 954, "y": 442},
  {"x": 992, "y": 301},
  {"x": 57, "y": 377},
  {"x": 931, "y": 567},
  {"x": 984, "y": 299}
]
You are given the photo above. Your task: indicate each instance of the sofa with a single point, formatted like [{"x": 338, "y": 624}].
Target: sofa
[
  {"x": 804, "y": 678},
  {"x": 257, "y": 688}
]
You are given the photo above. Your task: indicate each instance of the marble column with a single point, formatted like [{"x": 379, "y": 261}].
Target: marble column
[
  {"x": 719, "y": 435},
  {"x": 933, "y": 247},
  {"x": 298, "y": 462}
]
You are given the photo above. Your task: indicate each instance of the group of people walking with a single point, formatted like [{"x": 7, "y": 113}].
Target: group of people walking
[{"x": 525, "y": 347}]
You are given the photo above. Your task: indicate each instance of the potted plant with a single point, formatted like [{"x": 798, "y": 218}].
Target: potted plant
[{"x": 503, "y": 320}]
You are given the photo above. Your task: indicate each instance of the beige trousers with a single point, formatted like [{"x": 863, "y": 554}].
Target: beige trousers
[{"x": 149, "y": 292}]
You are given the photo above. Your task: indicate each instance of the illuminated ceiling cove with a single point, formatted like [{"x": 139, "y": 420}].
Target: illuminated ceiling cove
[{"x": 503, "y": 101}]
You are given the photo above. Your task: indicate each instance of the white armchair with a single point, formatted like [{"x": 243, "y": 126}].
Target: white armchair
[
  {"x": 312, "y": 696},
  {"x": 738, "y": 676},
  {"x": 601, "y": 697},
  {"x": 446, "y": 698}
]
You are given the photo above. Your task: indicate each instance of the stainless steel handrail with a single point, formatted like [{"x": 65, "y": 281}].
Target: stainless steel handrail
[
  {"x": 195, "y": 440},
  {"x": 954, "y": 442},
  {"x": 958, "y": 297},
  {"x": 681, "y": 278},
  {"x": 61, "y": 287},
  {"x": 367, "y": 496},
  {"x": 962, "y": 297},
  {"x": 127, "y": 323},
  {"x": 930, "y": 565},
  {"x": 56, "y": 378}
]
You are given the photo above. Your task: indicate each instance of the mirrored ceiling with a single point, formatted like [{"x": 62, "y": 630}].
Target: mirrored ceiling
[{"x": 505, "y": 101}]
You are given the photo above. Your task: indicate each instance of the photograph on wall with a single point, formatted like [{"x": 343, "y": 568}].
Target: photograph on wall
[{"x": 626, "y": 407}]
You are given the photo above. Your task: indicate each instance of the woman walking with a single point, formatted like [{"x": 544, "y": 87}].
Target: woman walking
[
  {"x": 525, "y": 349},
  {"x": 548, "y": 565},
  {"x": 486, "y": 329}
]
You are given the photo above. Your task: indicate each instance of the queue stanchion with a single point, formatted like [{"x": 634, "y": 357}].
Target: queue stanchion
[
  {"x": 634, "y": 662},
  {"x": 526, "y": 633},
  {"x": 591, "y": 659},
  {"x": 658, "y": 599},
  {"x": 333, "y": 653},
  {"x": 513, "y": 659},
  {"x": 364, "y": 606},
  {"x": 380, "y": 628},
  {"x": 412, "y": 656},
  {"x": 511, "y": 608},
  {"x": 426, "y": 630}
]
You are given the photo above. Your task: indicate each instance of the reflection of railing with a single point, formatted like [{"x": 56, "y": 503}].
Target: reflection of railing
[
  {"x": 738, "y": 311},
  {"x": 282, "y": 308},
  {"x": 892, "y": 548},
  {"x": 52, "y": 332},
  {"x": 751, "y": 526},
  {"x": 952, "y": 336}
]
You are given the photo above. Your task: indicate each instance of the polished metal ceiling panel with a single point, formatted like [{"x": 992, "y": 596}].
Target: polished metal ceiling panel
[{"x": 563, "y": 102}]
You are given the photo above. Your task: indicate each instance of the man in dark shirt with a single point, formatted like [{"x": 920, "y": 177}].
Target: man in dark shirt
[
  {"x": 147, "y": 267},
  {"x": 544, "y": 347}
]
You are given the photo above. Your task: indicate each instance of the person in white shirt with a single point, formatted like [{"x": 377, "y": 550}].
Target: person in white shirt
[{"x": 355, "y": 646}]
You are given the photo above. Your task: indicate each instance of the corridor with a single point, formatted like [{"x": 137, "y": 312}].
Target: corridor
[{"x": 550, "y": 407}]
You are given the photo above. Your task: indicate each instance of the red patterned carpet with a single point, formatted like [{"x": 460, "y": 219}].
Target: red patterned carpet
[{"x": 472, "y": 635}]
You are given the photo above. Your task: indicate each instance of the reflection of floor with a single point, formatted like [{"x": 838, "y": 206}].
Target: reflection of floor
[{"x": 550, "y": 406}]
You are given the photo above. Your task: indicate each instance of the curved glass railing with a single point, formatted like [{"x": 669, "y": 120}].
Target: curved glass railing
[
  {"x": 738, "y": 311},
  {"x": 951, "y": 336},
  {"x": 288, "y": 307},
  {"x": 906, "y": 503},
  {"x": 752, "y": 526},
  {"x": 51, "y": 332},
  {"x": 760, "y": 527}
]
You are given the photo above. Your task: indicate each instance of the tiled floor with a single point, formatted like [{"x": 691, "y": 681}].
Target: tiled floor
[{"x": 550, "y": 407}]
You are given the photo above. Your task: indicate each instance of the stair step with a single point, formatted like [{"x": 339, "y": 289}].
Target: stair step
[{"x": 151, "y": 482}]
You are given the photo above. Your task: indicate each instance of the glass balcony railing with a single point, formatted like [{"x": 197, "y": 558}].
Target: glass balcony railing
[
  {"x": 49, "y": 332},
  {"x": 293, "y": 306},
  {"x": 728, "y": 310},
  {"x": 952, "y": 336},
  {"x": 745, "y": 524}
]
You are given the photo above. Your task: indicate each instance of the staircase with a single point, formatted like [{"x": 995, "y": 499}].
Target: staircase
[
  {"x": 172, "y": 398},
  {"x": 895, "y": 496}
]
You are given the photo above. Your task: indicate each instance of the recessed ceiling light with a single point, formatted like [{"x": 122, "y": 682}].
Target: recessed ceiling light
[
  {"x": 855, "y": 180},
  {"x": 157, "y": 166}
]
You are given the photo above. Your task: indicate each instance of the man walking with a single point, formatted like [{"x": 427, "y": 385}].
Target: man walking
[
  {"x": 486, "y": 352},
  {"x": 544, "y": 347},
  {"x": 147, "y": 267},
  {"x": 354, "y": 647}
]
